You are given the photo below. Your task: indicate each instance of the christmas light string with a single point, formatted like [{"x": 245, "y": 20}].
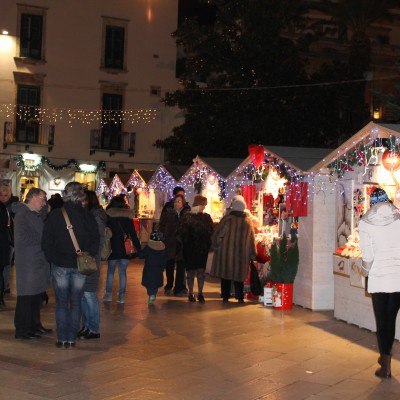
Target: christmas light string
[
  {"x": 37, "y": 115},
  {"x": 162, "y": 180}
]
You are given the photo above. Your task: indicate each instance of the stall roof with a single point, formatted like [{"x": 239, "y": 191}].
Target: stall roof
[
  {"x": 223, "y": 166},
  {"x": 176, "y": 171},
  {"x": 302, "y": 157},
  {"x": 380, "y": 130}
]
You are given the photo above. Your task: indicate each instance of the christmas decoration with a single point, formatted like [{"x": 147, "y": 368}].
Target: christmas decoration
[
  {"x": 34, "y": 114},
  {"x": 391, "y": 160},
  {"x": 21, "y": 163}
]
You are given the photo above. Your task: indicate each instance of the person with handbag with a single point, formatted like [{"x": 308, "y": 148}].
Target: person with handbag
[
  {"x": 121, "y": 224},
  {"x": 60, "y": 251},
  {"x": 194, "y": 231},
  {"x": 90, "y": 303},
  {"x": 32, "y": 268}
]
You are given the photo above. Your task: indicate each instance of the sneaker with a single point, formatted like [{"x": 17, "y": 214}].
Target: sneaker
[
  {"x": 107, "y": 297},
  {"x": 121, "y": 299},
  {"x": 82, "y": 333},
  {"x": 191, "y": 298},
  {"x": 200, "y": 298},
  {"x": 152, "y": 299},
  {"x": 62, "y": 345}
]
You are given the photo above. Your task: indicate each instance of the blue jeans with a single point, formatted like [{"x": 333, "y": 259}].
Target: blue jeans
[
  {"x": 152, "y": 291},
  {"x": 68, "y": 289},
  {"x": 90, "y": 312},
  {"x": 112, "y": 264}
]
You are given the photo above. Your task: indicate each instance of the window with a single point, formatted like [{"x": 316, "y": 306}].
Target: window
[
  {"x": 111, "y": 121},
  {"x": 114, "y": 44},
  {"x": 114, "y": 54},
  {"x": 31, "y": 36},
  {"x": 27, "y": 121}
]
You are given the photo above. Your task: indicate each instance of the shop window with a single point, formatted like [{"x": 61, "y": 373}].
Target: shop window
[
  {"x": 28, "y": 182},
  {"x": 87, "y": 180}
]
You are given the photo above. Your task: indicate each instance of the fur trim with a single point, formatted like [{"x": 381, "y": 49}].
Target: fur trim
[{"x": 120, "y": 212}]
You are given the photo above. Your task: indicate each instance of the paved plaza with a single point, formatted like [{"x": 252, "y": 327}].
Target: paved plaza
[{"x": 181, "y": 350}]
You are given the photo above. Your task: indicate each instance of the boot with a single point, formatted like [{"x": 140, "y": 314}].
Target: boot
[{"x": 385, "y": 371}]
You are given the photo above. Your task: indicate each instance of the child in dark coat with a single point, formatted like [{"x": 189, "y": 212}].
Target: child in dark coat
[{"x": 155, "y": 259}]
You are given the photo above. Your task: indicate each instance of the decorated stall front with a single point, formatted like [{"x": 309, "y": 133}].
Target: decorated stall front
[
  {"x": 202, "y": 179},
  {"x": 342, "y": 184},
  {"x": 161, "y": 184},
  {"x": 39, "y": 171}
]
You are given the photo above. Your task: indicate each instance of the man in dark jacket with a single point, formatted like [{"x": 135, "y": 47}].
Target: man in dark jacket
[
  {"x": 32, "y": 268},
  {"x": 6, "y": 201},
  {"x": 169, "y": 219},
  {"x": 59, "y": 250}
]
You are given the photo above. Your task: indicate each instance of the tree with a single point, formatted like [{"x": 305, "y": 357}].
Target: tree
[
  {"x": 233, "y": 69},
  {"x": 351, "y": 21}
]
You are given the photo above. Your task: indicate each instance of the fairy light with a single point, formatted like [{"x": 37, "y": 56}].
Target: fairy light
[
  {"x": 162, "y": 180},
  {"x": 37, "y": 114}
]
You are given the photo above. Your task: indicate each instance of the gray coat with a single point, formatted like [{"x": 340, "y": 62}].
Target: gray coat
[
  {"x": 32, "y": 268},
  {"x": 234, "y": 245}
]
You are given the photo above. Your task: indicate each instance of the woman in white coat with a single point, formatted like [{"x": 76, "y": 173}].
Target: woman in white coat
[{"x": 379, "y": 232}]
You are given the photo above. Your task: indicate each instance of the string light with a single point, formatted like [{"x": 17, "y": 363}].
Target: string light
[
  {"x": 35, "y": 115},
  {"x": 162, "y": 180}
]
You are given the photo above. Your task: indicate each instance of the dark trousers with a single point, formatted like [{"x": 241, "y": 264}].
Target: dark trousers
[
  {"x": 27, "y": 314},
  {"x": 226, "y": 289},
  {"x": 386, "y": 307},
  {"x": 180, "y": 283}
]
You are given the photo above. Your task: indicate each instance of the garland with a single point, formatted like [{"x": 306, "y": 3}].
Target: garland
[{"x": 101, "y": 165}]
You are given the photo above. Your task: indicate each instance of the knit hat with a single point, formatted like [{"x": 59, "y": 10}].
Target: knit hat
[
  {"x": 238, "y": 204},
  {"x": 155, "y": 241},
  {"x": 199, "y": 201},
  {"x": 378, "y": 196},
  {"x": 238, "y": 197}
]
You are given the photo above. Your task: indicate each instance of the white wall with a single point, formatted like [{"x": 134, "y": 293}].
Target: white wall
[
  {"x": 73, "y": 76},
  {"x": 314, "y": 286}
]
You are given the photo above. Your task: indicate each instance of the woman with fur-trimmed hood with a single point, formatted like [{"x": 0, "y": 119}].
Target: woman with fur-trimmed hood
[
  {"x": 234, "y": 246},
  {"x": 121, "y": 224}
]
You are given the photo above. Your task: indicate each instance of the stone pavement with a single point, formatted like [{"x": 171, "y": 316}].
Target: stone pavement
[{"x": 193, "y": 351}]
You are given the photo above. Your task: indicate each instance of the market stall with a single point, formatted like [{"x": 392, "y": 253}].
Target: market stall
[
  {"x": 368, "y": 160},
  {"x": 161, "y": 184},
  {"x": 202, "y": 179}
]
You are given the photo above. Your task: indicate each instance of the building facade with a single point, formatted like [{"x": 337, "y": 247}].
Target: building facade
[{"x": 80, "y": 88}]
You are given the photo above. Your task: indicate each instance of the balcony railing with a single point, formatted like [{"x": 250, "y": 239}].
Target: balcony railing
[
  {"x": 112, "y": 142},
  {"x": 35, "y": 134}
]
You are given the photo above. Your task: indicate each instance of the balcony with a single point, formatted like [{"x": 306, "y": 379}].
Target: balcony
[
  {"x": 27, "y": 135},
  {"x": 112, "y": 142}
]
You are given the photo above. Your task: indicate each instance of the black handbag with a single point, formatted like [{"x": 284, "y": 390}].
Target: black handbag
[
  {"x": 87, "y": 264},
  {"x": 255, "y": 284}
]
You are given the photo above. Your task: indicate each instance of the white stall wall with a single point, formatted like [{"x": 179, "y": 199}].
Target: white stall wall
[{"x": 313, "y": 286}]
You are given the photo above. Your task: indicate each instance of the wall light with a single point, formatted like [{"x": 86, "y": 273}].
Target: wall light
[{"x": 4, "y": 32}]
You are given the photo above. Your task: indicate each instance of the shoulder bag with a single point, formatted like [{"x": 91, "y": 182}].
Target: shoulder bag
[
  {"x": 86, "y": 263},
  {"x": 130, "y": 248}
]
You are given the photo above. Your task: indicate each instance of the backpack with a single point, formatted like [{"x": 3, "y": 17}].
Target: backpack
[{"x": 106, "y": 249}]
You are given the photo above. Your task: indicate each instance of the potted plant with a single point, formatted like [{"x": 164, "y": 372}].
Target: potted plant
[{"x": 283, "y": 269}]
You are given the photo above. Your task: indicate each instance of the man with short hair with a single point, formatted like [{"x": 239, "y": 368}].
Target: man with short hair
[
  {"x": 6, "y": 201},
  {"x": 32, "y": 268}
]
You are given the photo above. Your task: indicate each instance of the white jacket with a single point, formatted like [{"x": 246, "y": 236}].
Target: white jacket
[{"x": 379, "y": 232}]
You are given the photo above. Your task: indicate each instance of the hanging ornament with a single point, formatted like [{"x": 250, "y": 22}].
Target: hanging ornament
[
  {"x": 256, "y": 153},
  {"x": 390, "y": 161}
]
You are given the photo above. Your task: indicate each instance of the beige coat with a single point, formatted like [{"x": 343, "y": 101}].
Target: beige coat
[{"x": 234, "y": 246}]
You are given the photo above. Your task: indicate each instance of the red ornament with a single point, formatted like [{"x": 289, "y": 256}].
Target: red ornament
[
  {"x": 262, "y": 252},
  {"x": 390, "y": 161},
  {"x": 256, "y": 152}
]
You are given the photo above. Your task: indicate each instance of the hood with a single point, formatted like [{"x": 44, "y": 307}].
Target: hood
[
  {"x": 18, "y": 207},
  {"x": 121, "y": 212},
  {"x": 381, "y": 214}
]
